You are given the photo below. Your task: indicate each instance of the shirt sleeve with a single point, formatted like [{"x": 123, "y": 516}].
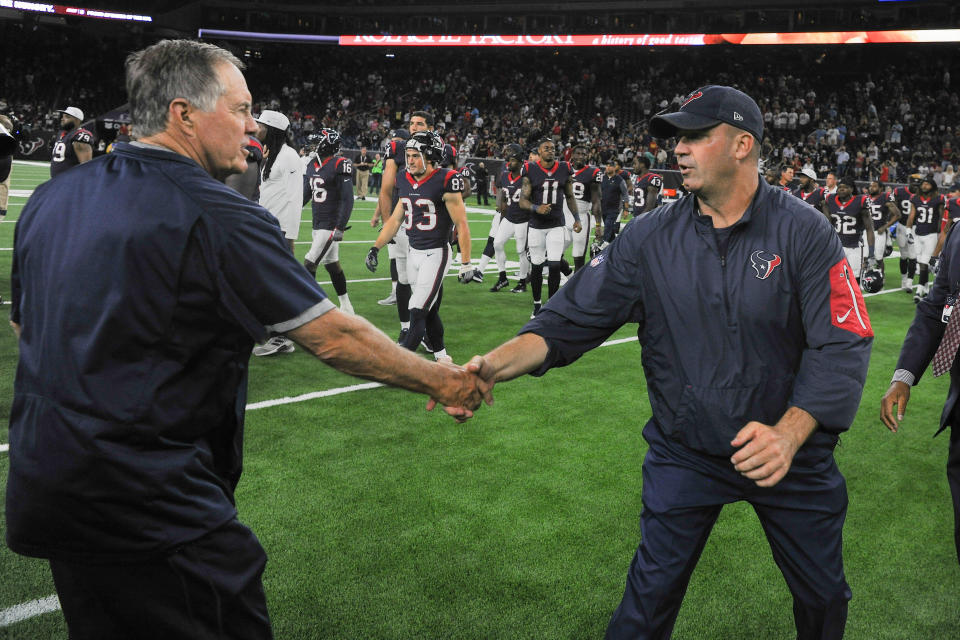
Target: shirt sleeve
[
  {"x": 838, "y": 335},
  {"x": 259, "y": 282},
  {"x": 598, "y": 300}
]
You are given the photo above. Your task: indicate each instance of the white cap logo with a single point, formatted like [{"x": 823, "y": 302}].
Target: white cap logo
[{"x": 737, "y": 116}]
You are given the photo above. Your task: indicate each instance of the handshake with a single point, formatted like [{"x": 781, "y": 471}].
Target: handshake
[{"x": 463, "y": 389}]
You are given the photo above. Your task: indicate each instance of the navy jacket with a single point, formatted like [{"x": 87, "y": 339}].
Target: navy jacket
[
  {"x": 141, "y": 284},
  {"x": 927, "y": 329},
  {"x": 776, "y": 320}
]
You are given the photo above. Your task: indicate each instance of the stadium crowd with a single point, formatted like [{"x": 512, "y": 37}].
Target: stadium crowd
[{"x": 880, "y": 114}]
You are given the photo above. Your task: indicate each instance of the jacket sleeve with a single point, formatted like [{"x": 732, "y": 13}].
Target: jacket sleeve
[
  {"x": 598, "y": 300},
  {"x": 837, "y": 331},
  {"x": 927, "y": 329}
]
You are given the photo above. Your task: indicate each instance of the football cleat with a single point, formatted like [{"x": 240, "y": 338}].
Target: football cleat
[
  {"x": 274, "y": 346},
  {"x": 500, "y": 284},
  {"x": 426, "y": 345},
  {"x": 477, "y": 276},
  {"x": 906, "y": 283},
  {"x": 402, "y": 336},
  {"x": 520, "y": 288},
  {"x": 536, "y": 310},
  {"x": 390, "y": 299}
]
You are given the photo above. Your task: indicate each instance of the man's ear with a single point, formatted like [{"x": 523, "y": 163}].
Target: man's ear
[
  {"x": 744, "y": 145},
  {"x": 179, "y": 116}
]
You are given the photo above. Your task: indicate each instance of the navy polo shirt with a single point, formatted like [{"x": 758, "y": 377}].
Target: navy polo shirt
[{"x": 141, "y": 284}]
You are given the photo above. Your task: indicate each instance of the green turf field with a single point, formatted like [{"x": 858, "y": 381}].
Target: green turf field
[{"x": 384, "y": 521}]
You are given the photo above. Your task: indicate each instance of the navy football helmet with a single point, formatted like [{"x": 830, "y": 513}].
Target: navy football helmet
[
  {"x": 429, "y": 144},
  {"x": 514, "y": 151},
  {"x": 872, "y": 281},
  {"x": 328, "y": 142}
]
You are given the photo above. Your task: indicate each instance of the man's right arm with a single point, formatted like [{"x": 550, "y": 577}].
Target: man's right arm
[
  {"x": 350, "y": 344},
  {"x": 385, "y": 197}
]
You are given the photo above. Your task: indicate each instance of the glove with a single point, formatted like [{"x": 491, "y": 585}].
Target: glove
[
  {"x": 935, "y": 265},
  {"x": 371, "y": 260},
  {"x": 337, "y": 235},
  {"x": 871, "y": 263},
  {"x": 466, "y": 274},
  {"x": 911, "y": 237}
]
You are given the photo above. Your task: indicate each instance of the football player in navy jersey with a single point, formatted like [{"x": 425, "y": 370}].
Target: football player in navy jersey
[
  {"x": 808, "y": 190},
  {"x": 850, "y": 216},
  {"x": 248, "y": 182},
  {"x": 900, "y": 197},
  {"x": 75, "y": 144},
  {"x": 925, "y": 216},
  {"x": 952, "y": 207},
  {"x": 328, "y": 186},
  {"x": 586, "y": 189},
  {"x": 514, "y": 219},
  {"x": 879, "y": 204},
  {"x": 646, "y": 186},
  {"x": 393, "y": 166},
  {"x": 543, "y": 183},
  {"x": 429, "y": 206}
]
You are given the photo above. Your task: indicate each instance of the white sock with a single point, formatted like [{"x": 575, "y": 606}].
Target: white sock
[
  {"x": 484, "y": 261},
  {"x": 405, "y": 325}
]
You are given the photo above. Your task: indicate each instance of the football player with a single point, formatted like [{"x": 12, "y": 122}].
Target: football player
[
  {"x": 925, "y": 216},
  {"x": 75, "y": 144},
  {"x": 586, "y": 189},
  {"x": 248, "y": 182},
  {"x": 808, "y": 190},
  {"x": 879, "y": 204},
  {"x": 429, "y": 205},
  {"x": 393, "y": 166},
  {"x": 543, "y": 183},
  {"x": 328, "y": 186},
  {"x": 900, "y": 197},
  {"x": 646, "y": 186},
  {"x": 850, "y": 216},
  {"x": 514, "y": 220}
]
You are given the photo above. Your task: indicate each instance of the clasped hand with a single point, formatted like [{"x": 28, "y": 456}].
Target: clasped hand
[{"x": 462, "y": 393}]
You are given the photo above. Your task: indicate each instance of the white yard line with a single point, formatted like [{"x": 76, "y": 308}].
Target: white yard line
[{"x": 27, "y": 610}]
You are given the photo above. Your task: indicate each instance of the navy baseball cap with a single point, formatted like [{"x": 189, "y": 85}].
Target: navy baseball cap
[
  {"x": 400, "y": 133},
  {"x": 707, "y": 107}
]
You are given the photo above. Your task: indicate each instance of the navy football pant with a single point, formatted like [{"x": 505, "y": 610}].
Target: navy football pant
[
  {"x": 683, "y": 493},
  {"x": 208, "y": 588}
]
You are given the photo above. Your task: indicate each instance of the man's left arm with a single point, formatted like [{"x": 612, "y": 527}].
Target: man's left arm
[
  {"x": 868, "y": 225},
  {"x": 83, "y": 146},
  {"x": 458, "y": 214},
  {"x": 833, "y": 364}
]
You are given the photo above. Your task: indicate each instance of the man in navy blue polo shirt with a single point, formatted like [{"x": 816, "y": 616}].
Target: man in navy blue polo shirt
[
  {"x": 755, "y": 341},
  {"x": 140, "y": 284}
]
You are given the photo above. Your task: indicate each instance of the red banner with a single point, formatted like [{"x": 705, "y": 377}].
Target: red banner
[{"x": 655, "y": 39}]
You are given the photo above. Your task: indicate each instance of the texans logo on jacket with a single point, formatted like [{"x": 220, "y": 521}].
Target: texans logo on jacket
[{"x": 764, "y": 262}]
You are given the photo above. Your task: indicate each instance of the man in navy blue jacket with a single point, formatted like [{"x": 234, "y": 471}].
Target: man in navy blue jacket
[
  {"x": 755, "y": 347},
  {"x": 922, "y": 342},
  {"x": 140, "y": 284}
]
